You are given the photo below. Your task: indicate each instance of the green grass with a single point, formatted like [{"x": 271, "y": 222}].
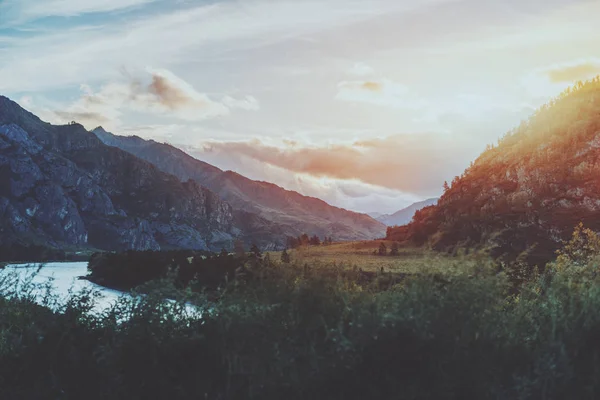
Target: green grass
[
  {"x": 316, "y": 333},
  {"x": 410, "y": 260}
]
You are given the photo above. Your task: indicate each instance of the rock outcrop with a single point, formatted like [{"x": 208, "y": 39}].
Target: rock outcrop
[{"x": 63, "y": 187}]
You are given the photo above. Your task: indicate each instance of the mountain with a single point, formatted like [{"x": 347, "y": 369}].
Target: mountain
[
  {"x": 523, "y": 197},
  {"x": 375, "y": 214},
  {"x": 405, "y": 215},
  {"x": 282, "y": 207},
  {"x": 63, "y": 187}
]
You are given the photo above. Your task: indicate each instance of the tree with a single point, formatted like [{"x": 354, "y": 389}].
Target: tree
[
  {"x": 285, "y": 257},
  {"x": 382, "y": 249},
  {"x": 395, "y": 249},
  {"x": 238, "y": 249},
  {"x": 581, "y": 249},
  {"x": 304, "y": 240},
  {"x": 223, "y": 253},
  {"x": 446, "y": 187},
  {"x": 256, "y": 252},
  {"x": 292, "y": 242},
  {"x": 267, "y": 261},
  {"x": 315, "y": 241}
]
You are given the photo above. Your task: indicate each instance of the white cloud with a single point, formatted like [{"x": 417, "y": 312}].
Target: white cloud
[
  {"x": 382, "y": 92},
  {"x": 68, "y": 57},
  {"x": 361, "y": 69},
  {"x": 248, "y": 103},
  {"x": 164, "y": 94}
]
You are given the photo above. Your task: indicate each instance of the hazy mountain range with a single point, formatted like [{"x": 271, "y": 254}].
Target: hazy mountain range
[
  {"x": 288, "y": 208},
  {"x": 403, "y": 216},
  {"x": 62, "y": 186}
]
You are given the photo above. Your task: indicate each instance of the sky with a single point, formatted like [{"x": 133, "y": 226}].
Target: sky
[{"x": 369, "y": 105}]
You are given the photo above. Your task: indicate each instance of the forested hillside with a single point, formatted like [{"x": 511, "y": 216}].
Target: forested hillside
[{"x": 524, "y": 195}]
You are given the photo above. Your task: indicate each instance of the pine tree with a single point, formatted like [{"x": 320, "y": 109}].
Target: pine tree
[
  {"x": 256, "y": 252},
  {"x": 315, "y": 241},
  {"x": 304, "y": 240},
  {"x": 446, "y": 187},
  {"x": 382, "y": 249},
  {"x": 267, "y": 261},
  {"x": 285, "y": 257},
  {"x": 238, "y": 248},
  {"x": 395, "y": 249}
]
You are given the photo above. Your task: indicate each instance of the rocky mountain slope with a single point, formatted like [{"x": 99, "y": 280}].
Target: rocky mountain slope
[
  {"x": 525, "y": 195},
  {"x": 283, "y": 207},
  {"x": 61, "y": 186},
  {"x": 404, "y": 216}
]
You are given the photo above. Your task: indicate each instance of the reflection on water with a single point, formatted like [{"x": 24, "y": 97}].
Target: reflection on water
[{"x": 64, "y": 277}]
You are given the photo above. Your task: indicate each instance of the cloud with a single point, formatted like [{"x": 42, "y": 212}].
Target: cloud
[
  {"x": 186, "y": 32},
  {"x": 411, "y": 163},
  {"x": 248, "y": 103},
  {"x": 165, "y": 95},
  {"x": 382, "y": 92},
  {"x": 32, "y": 9},
  {"x": 548, "y": 81},
  {"x": 361, "y": 69},
  {"x": 574, "y": 72},
  {"x": 351, "y": 194},
  {"x": 84, "y": 118}
]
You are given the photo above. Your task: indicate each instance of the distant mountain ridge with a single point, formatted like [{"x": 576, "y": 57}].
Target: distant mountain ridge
[
  {"x": 404, "y": 216},
  {"x": 63, "y": 187},
  {"x": 301, "y": 214}
]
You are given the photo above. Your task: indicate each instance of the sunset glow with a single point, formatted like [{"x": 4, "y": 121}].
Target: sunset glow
[{"x": 369, "y": 105}]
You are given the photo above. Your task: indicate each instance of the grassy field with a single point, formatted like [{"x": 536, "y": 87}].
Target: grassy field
[
  {"x": 312, "y": 330},
  {"x": 363, "y": 255}
]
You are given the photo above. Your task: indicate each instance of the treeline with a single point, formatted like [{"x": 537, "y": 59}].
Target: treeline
[
  {"x": 383, "y": 250},
  {"x": 197, "y": 270},
  {"x": 305, "y": 240},
  {"x": 17, "y": 252}
]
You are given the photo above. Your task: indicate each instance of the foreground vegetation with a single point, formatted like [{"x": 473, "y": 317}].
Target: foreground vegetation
[{"x": 293, "y": 331}]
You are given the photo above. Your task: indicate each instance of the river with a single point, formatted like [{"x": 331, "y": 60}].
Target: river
[{"x": 65, "y": 279}]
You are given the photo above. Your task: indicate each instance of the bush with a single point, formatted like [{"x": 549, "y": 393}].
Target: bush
[{"x": 298, "y": 332}]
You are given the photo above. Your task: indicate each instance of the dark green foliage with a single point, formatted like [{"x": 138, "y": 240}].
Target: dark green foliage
[
  {"x": 285, "y": 257},
  {"x": 239, "y": 249},
  {"x": 255, "y": 251},
  {"x": 130, "y": 269},
  {"x": 300, "y": 333},
  {"x": 30, "y": 253}
]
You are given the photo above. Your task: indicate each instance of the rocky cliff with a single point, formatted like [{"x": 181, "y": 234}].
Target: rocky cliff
[{"x": 62, "y": 187}]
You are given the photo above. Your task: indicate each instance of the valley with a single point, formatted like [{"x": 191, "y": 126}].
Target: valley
[{"x": 132, "y": 269}]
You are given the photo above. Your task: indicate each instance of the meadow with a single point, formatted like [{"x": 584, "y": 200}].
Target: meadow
[{"x": 364, "y": 255}]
